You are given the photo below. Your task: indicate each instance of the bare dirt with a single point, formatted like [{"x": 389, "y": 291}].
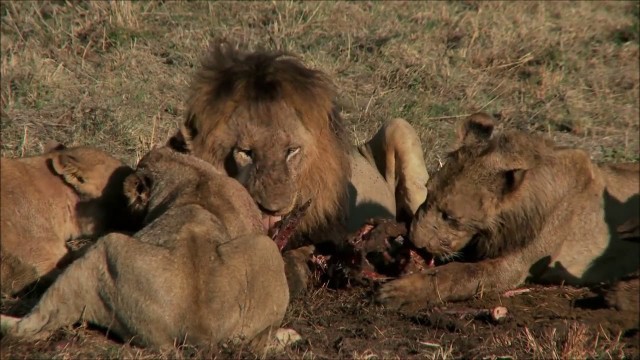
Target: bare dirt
[{"x": 542, "y": 322}]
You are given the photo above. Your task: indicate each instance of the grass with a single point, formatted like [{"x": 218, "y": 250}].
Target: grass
[
  {"x": 100, "y": 73},
  {"x": 114, "y": 74}
]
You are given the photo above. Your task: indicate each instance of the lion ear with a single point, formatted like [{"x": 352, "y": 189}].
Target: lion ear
[
  {"x": 513, "y": 180},
  {"x": 477, "y": 128},
  {"x": 137, "y": 189}
]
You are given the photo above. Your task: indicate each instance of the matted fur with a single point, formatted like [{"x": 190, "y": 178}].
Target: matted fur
[
  {"x": 488, "y": 161},
  {"x": 518, "y": 207},
  {"x": 230, "y": 79},
  {"x": 519, "y": 219}
]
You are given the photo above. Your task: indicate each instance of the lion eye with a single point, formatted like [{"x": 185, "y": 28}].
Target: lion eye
[{"x": 291, "y": 152}]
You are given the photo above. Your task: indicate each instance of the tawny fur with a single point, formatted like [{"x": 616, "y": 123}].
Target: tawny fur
[
  {"x": 48, "y": 199},
  {"x": 199, "y": 272},
  {"x": 248, "y": 110},
  {"x": 241, "y": 97},
  {"x": 517, "y": 207},
  {"x": 272, "y": 123}
]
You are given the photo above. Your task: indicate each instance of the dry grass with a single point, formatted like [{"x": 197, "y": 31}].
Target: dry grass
[
  {"x": 105, "y": 73},
  {"x": 114, "y": 74},
  {"x": 574, "y": 343}
]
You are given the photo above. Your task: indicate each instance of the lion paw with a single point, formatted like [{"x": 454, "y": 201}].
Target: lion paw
[{"x": 297, "y": 269}]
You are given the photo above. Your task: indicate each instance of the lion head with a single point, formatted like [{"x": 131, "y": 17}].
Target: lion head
[
  {"x": 271, "y": 123},
  {"x": 493, "y": 192}
]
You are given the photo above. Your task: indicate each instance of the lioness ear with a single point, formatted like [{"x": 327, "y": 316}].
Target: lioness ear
[
  {"x": 477, "y": 128},
  {"x": 52, "y": 145},
  {"x": 512, "y": 180},
  {"x": 137, "y": 188},
  {"x": 68, "y": 166}
]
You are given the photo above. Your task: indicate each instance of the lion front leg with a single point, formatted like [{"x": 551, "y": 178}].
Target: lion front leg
[
  {"x": 296, "y": 268},
  {"x": 74, "y": 296},
  {"x": 397, "y": 153},
  {"x": 450, "y": 282}
]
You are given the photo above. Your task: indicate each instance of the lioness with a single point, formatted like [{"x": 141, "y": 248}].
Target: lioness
[
  {"x": 199, "y": 272},
  {"x": 518, "y": 207},
  {"x": 273, "y": 124},
  {"x": 48, "y": 199}
]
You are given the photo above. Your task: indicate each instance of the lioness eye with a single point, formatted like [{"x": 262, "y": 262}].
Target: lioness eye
[
  {"x": 448, "y": 218},
  {"x": 292, "y": 151}
]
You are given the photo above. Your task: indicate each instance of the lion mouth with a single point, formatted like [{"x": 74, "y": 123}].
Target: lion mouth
[
  {"x": 281, "y": 228},
  {"x": 270, "y": 223}
]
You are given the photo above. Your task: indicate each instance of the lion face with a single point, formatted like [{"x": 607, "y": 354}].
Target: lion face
[
  {"x": 270, "y": 122},
  {"x": 268, "y": 156}
]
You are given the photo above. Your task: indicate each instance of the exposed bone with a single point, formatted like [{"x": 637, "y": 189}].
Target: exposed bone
[
  {"x": 288, "y": 224},
  {"x": 515, "y": 292},
  {"x": 495, "y": 314},
  {"x": 386, "y": 237}
]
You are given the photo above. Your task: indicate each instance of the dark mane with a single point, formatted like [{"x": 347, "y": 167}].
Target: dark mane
[
  {"x": 231, "y": 79},
  {"x": 267, "y": 76}
]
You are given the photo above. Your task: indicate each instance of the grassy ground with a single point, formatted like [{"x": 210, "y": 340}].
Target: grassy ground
[{"x": 114, "y": 75}]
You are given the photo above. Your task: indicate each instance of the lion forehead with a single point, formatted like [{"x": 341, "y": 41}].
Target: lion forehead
[{"x": 268, "y": 125}]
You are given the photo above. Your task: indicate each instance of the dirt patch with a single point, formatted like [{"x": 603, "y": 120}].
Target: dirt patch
[
  {"x": 544, "y": 322},
  {"x": 559, "y": 320}
]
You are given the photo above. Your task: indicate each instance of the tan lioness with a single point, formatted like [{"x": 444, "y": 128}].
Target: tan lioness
[
  {"x": 48, "y": 199},
  {"x": 518, "y": 207},
  {"x": 201, "y": 271}
]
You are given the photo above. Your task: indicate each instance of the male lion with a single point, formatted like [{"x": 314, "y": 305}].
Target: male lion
[
  {"x": 518, "y": 207},
  {"x": 48, "y": 199},
  {"x": 273, "y": 124},
  {"x": 199, "y": 272}
]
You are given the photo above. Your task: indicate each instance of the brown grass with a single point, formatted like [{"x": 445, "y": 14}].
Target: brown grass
[{"x": 114, "y": 74}]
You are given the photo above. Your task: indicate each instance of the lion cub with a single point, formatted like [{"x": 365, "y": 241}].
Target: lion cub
[
  {"x": 199, "y": 272},
  {"x": 46, "y": 200}
]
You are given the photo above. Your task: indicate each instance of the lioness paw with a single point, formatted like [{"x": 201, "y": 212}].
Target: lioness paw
[
  {"x": 7, "y": 324},
  {"x": 282, "y": 339},
  {"x": 286, "y": 337},
  {"x": 409, "y": 293}
]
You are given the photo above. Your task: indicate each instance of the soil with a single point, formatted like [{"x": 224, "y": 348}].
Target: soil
[
  {"x": 341, "y": 323},
  {"x": 344, "y": 323}
]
